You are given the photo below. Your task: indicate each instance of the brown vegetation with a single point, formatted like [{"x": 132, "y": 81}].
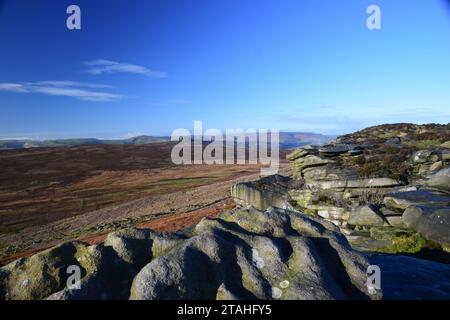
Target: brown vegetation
[{"x": 53, "y": 194}]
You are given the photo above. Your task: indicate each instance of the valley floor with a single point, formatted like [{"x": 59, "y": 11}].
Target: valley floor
[{"x": 165, "y": 198}]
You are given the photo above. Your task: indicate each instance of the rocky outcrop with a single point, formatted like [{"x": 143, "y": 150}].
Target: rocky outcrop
[
  {"x": 366, "y": 180},
  {"x": 253, "y": 254},
  {"x": 244, "y": 254}
]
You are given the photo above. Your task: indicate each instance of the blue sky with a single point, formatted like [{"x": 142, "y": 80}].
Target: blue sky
[{"x": 149, "y": 67}]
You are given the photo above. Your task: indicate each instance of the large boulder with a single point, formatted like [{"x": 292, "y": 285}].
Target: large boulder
[
  {"x": 40, "y": 275},
  {"x": 241, "y": 256},
  {"x": 271, "y": 191},
  {"x": 432, "y": 222},
  {"x": 138, "y": 246}
]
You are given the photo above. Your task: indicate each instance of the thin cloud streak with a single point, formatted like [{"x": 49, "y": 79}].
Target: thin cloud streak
[
  {"x": 79, "y": 90},
  {"x": 102, "y": 66}
]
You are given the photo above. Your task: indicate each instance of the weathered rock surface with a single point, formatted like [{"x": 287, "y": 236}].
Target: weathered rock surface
[
  {"x": 244, "y": 254},
  {"x": 271, "y": 191},
  {"x": 379, "y": 172},
  {"x": 395, "y": 221},
  {"x": 410, "y": 278},
  {"x": 433, "y": 222},
  {"x": 355, "y": 184},
  {"x": 297, "y": 154},
  {"x": 310, "y": 161},
  {"x": 334, "y": 149},
  {"x": 440, "y": 180},
  {"x": 42, "y": 274},
  {"x": 365, "y": 216},
  {"x": 403, "y": 200},
  {"x": 250, "y": 253}
]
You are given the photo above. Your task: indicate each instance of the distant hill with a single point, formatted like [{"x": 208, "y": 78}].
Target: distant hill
[
  {"x": 23, "y": 144},
  {"x": 297, "y": 139},
  {"x": 287, "y": 140}
]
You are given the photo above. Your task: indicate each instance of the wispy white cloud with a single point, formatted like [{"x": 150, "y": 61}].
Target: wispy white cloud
[
  {"x": 102, "y": 66},
  {"x": 79, "y": 90},
  {"x": 14, "y": 87}
]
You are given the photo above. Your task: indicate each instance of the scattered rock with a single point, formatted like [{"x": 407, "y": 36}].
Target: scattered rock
[{"x": 393, "y": 141}]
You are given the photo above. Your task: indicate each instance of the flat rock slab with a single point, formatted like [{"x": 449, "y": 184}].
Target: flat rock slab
[
  {"x": 335, "y": 150},
  {"x": 402, "y": 200},
  {"x": 356, "y": 183},
  {"x": 365, "y": 216},
  {"x": 310, "y": 161},
  {"x": 364, "y": 243},
  {"x": 296, "y": 154}
]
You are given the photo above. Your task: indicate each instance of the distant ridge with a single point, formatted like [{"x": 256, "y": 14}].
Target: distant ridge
[
  {"x": 24, "y": 144},
  {"x": 287, "y": 140}
]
